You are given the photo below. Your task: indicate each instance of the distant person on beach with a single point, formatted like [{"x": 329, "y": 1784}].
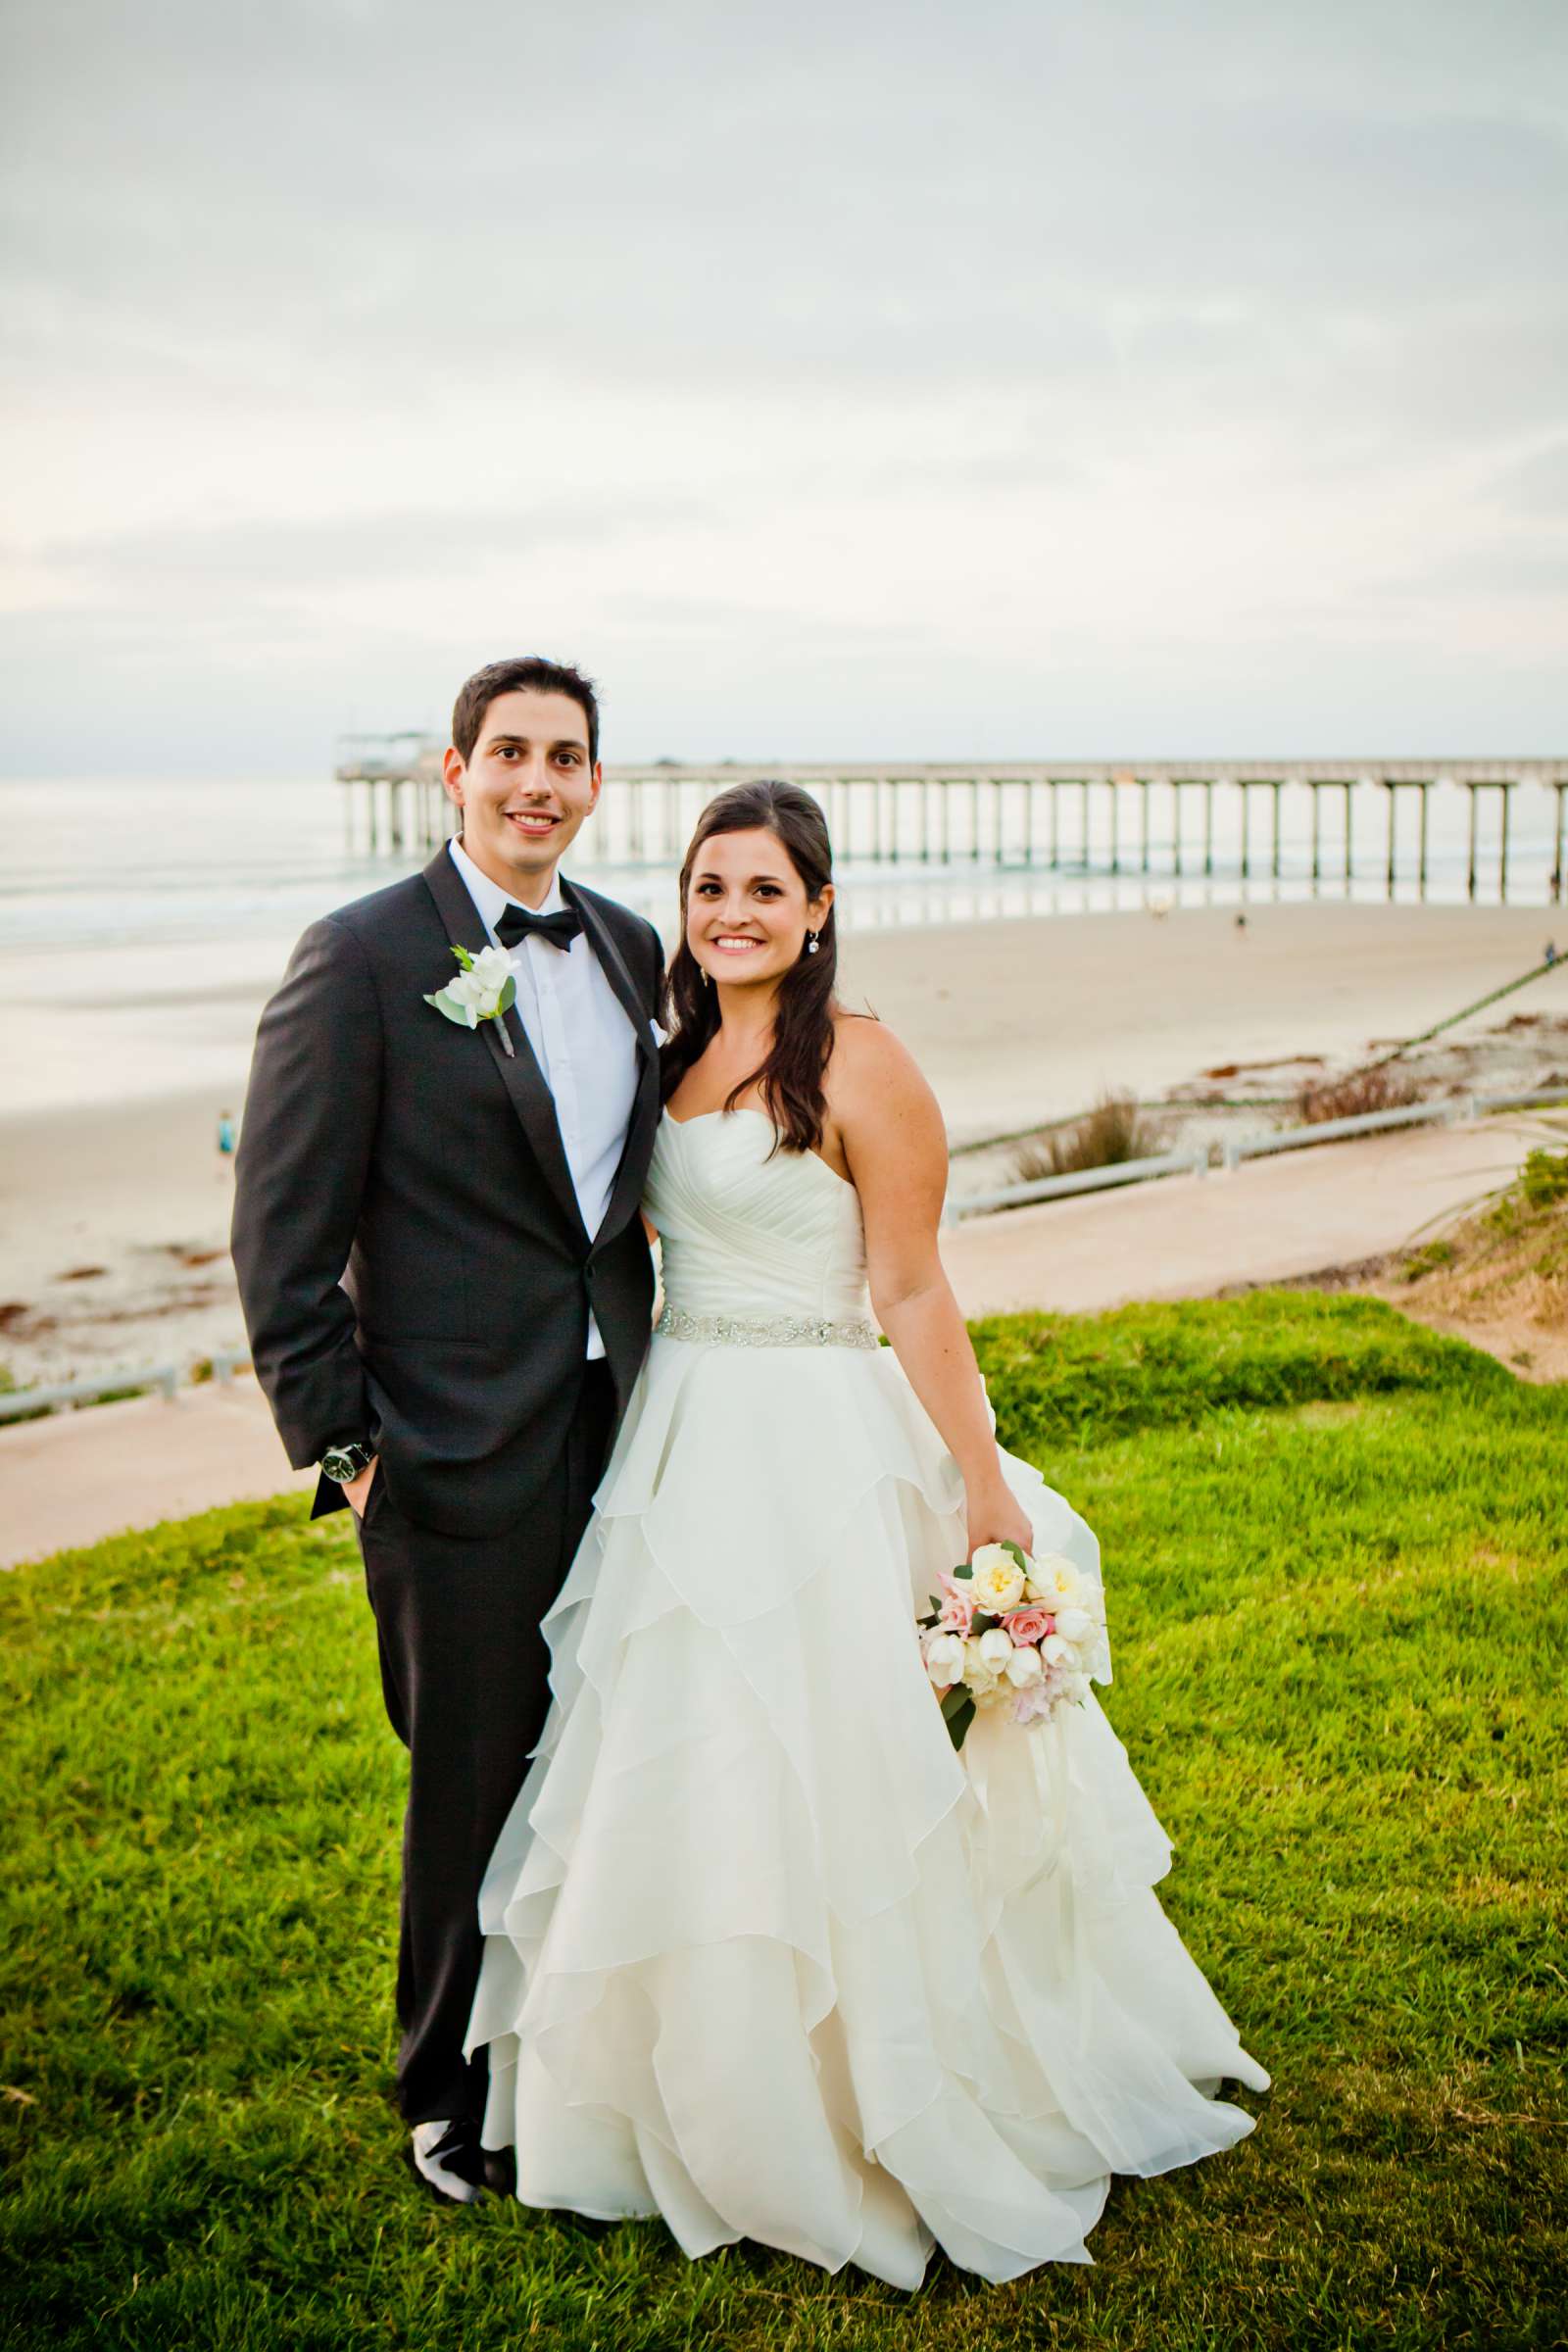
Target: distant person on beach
[{"x": 225, "y": 1141}]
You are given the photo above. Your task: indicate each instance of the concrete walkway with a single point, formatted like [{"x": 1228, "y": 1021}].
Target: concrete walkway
[
  {"x": 104, "y": 1468},
  {"x": 1270, "y": 1220},
  {"x": 80, "y": 1476}
]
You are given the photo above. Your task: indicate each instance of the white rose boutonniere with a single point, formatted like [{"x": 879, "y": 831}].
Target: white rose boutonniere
[{"x": 484, "y": 989}]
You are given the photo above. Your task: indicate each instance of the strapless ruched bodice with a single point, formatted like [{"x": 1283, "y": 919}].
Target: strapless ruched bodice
[{"x": 746, "y": 1231}]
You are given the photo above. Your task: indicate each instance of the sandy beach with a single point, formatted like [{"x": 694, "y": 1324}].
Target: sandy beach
[
  {"x": 115, "y": 1217},
  {"x": 1015, "y": 1022}
]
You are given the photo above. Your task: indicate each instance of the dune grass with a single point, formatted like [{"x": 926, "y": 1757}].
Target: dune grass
[{"x": 1334, "y": 1546}]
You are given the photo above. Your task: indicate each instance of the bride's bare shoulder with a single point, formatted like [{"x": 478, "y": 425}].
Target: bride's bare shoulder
[{"x": 872, "y": 1070}]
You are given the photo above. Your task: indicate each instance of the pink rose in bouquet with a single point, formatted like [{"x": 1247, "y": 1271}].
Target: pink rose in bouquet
[{"x": 956, "y": 1613}]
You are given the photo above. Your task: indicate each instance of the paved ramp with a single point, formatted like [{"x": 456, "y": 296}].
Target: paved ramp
[{"x": 1270, "y": 1220}]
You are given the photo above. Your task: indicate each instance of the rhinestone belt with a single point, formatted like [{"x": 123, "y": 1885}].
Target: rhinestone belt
[{"x": 766, "y": 1331}]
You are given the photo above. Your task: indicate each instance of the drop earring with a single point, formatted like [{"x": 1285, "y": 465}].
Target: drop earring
[{"x": 811, "y": 943}]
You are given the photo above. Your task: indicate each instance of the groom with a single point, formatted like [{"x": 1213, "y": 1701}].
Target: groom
[{"x": 448, "y": 1293}]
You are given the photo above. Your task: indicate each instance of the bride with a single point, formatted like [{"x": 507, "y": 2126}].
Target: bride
[{"x": 764, "y": 1954}]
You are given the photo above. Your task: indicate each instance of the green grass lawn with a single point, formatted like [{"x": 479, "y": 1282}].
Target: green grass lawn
[{"x": 1335, "y": 1558}]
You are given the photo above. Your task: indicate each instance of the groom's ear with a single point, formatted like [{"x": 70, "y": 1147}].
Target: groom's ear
[{"x": 454, "y": 769}]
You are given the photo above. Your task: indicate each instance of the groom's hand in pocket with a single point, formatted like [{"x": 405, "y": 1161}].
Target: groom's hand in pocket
[{"x": 357, "y": 1490}]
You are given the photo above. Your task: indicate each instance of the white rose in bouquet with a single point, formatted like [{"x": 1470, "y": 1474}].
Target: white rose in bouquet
[
  {"x": 978, "y": 1674},
  {"x": 997, "y": 1581},
  {"x": 1055, "y": 1581}
]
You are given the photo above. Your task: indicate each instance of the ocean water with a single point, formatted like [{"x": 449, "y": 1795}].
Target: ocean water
[
  {"x": 106, "y": 865},
  {"x": 140, "y": 923}
]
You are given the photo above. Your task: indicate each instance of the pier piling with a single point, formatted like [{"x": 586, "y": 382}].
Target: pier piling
[
  {"x": 1394, "y": 786},
  {"x": 646, "y": 815},
  {"x": 1476, "y": 787}
]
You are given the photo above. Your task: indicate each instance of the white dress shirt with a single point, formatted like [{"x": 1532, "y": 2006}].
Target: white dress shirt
[{"x": 582, "y": 1039}]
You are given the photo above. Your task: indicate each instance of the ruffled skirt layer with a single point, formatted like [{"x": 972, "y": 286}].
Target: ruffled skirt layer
[{"x": 763, "y": 1955}]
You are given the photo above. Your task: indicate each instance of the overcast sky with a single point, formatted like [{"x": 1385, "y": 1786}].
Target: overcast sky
[{"x": 854, "y": 378}]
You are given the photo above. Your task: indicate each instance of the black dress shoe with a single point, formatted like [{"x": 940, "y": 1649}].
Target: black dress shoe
[
  {"x": 446, "y": 2158},
  {"x": 501, "y": 2174}
]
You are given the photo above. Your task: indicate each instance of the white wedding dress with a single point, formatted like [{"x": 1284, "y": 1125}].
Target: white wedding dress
[{"x": 763, "y": 1954}]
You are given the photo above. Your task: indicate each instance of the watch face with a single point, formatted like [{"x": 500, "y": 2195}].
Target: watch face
[{"x": 344, "y": 1462}]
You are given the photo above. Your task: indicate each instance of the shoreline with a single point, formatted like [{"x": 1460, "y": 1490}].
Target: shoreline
[{"x": 116, "y": 1214}]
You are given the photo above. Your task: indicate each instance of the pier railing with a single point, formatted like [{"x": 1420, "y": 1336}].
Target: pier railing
[{"x": 1094, "y": 816}]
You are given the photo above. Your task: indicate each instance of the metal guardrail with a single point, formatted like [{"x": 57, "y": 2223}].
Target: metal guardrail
[
  {"x": 1538, "y": 1098},
  {"x": 1079, "y": 1180},
  {"x": 21, "y": 1405},
  {"x": 1333, "y": 1131},
  {"x": 1452, "y": 1113},
  {"x": 1284, "y": 1139}
]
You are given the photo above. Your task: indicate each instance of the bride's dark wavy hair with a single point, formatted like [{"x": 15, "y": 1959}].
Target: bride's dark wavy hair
[{"x": 790, "y": 1079}]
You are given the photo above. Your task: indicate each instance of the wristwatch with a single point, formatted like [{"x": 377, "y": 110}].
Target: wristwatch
[{"x": 343, "y": 1462}]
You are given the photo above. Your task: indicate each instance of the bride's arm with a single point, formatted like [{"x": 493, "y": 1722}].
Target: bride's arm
[{"x": 897, "y": 1148}]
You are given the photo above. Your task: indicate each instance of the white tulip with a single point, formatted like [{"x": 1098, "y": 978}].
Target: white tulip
[
  {"x": 995, "y": 1648},
  {"x": 1053, "y": 1648},
  {"x": 1074, "y": 1624},
  {"x": 1023, "y": 1668},
  {"x": 944, "y": 1657}
]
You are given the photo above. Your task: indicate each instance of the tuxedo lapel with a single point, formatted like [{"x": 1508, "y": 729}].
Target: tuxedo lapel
[
  {"x": 519, "y": 1071},
  {"x": 638, "y": 1150},
  {"x": 602, "y": 941}
]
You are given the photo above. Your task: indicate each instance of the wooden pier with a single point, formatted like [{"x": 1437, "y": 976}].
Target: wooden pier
[{"x": 1030, "y": 815}]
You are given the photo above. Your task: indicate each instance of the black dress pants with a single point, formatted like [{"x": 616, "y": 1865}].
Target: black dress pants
[{"x": 465, "y": 1672}]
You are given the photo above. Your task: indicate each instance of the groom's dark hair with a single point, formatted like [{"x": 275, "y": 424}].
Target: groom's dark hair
[{"x": 524, "y": 674}]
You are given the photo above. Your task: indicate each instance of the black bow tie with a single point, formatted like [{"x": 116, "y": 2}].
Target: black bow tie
[{"x": 561, "y": 928}]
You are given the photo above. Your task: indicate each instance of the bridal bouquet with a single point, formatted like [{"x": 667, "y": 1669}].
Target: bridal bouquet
[{"x": 1010, "y": 1632}]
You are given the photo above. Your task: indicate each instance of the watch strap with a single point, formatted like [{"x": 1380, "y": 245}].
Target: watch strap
[{"x": 340, "y": 1463}]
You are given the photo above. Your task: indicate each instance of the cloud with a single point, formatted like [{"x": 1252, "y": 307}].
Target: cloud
[{"x": 1016, "y": 342}]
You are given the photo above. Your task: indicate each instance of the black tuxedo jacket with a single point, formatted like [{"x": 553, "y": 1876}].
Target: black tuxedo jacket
[{"x": 411, "y": 1263}]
